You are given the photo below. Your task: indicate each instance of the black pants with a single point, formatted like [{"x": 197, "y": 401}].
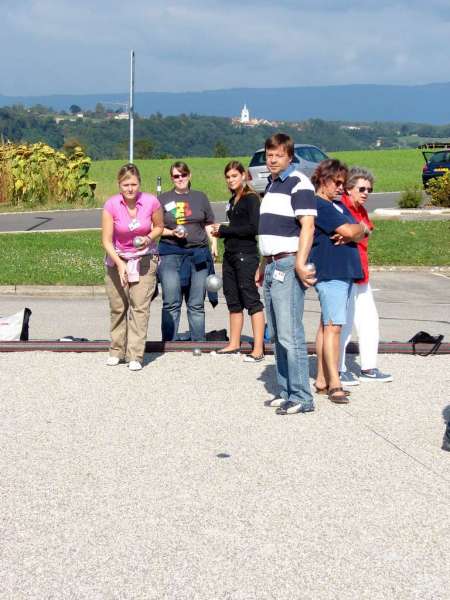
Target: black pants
[{"x": 239, "y": 287}]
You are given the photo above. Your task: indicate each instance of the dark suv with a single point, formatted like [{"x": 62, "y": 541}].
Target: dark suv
[
  {"x": 306, "y": 159},
  {"x": 437, "y": 160}
]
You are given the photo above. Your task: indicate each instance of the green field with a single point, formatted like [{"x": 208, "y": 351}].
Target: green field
[
  {"x": 394, "y": 170},
  {"x": 207, "y": 176},
  {"x": 76, "y": 258}
]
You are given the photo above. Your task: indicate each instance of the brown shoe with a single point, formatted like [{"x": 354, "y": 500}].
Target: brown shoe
[
  {"x": 338, "y": 396},
  {"x": 324, "y": 391}
]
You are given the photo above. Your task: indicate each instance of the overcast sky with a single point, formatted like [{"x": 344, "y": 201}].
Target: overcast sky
[{"x": 82, "y": 46}]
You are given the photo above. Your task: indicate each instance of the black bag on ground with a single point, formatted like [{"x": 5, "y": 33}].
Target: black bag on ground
[
  {"x": 217, "y": 335},
  {"x": 422, "y": 337}
]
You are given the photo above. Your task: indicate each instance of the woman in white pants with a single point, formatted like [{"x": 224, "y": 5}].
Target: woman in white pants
[{"x": 361, "y": 312}]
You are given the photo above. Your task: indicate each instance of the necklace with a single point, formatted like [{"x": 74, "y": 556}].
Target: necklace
[{"x": 132, "y": 214}]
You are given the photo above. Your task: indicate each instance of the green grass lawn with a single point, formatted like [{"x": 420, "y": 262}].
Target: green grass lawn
[
  {"x": 394, "y": 171},
  {"x": 77, "y": 258},
  {"x": 207, "y": 176}
]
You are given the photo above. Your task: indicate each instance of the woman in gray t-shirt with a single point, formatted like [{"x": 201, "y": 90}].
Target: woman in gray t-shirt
[{"x": 186, "y": 259}]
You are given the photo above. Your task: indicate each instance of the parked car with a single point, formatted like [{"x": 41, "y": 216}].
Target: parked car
[
  {"x": 437, "y": 160},
  {"x": 306, "y": 159}
]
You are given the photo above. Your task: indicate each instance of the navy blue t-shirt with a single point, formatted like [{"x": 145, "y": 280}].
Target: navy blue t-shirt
[{"x": 333, "y": 262}]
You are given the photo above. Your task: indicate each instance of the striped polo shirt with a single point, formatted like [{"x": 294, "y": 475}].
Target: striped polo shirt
[{"x": 288, "y": 198}]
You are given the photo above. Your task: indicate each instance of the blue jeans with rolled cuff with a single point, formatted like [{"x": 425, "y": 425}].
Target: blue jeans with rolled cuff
[{"x": 284, "y": 301}]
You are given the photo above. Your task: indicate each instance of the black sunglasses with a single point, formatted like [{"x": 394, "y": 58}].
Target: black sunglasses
[
  {"x": 180, "y": 176},
  {"x": 363, "y": 189}
]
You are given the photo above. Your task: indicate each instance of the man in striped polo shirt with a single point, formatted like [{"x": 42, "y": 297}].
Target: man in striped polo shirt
[{"x": 286, "y": 230}]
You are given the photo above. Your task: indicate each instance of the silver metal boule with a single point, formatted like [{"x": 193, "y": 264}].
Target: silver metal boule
[
  {"x": 180, "y": 230},
  {"x": 138, "y": 241},
  {"x": 310, "y": 267},
  {"x": 197, "y": 352},
  {"x": 213, "y": 283}
]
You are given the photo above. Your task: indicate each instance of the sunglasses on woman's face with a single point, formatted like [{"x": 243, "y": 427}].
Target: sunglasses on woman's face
[
  {"x": 363, "y": 189},
  {"x": 181, "y": 176},
  {"x": 338, "y": 182}
]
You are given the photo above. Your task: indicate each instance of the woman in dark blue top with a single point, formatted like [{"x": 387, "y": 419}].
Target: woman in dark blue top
[{"x": 337, "y": 263}]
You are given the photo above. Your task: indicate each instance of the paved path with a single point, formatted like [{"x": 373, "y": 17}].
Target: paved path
[
  {"x": 407, "y": 301},
  {"x": 90, "y": 218}
]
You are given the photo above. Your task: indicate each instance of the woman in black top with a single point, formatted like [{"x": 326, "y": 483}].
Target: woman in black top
[{"x": 241, "y": 262}]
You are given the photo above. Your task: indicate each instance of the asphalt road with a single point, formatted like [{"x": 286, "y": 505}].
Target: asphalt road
[{"x": 56, "y": 220}]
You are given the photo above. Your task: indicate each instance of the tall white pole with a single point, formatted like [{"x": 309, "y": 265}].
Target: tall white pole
[{"x": 131, "y": 109}]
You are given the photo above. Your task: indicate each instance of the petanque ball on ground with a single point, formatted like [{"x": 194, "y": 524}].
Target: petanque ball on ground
[
  {"x": 213, "y": 283},
  {"x": 197, "y": 352}
]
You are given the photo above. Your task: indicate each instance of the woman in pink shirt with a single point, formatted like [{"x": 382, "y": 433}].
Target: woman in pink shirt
[{"x": 131, "y": 222}]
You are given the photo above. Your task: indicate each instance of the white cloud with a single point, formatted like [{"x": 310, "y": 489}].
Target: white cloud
[{"x": 83, "y": 47}]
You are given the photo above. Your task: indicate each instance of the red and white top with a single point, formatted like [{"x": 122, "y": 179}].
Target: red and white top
[{"x": 360, "y": 214}]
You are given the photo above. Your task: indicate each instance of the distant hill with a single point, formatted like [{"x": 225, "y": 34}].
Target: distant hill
[{"x": 416, "y": 103}]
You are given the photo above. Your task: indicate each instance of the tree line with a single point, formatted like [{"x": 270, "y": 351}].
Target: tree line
[{"x": 103, "y": 137}]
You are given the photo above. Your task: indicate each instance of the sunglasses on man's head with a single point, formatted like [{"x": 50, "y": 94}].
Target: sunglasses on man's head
[
  {"x": 363, "y": 189},
  {"x": 182, "y": 176}
]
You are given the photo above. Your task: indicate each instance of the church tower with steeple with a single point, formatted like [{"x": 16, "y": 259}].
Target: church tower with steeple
[{"x": 245, "y": 115}]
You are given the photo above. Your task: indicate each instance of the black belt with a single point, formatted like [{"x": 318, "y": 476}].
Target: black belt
[{"x": 273, "y": 257}]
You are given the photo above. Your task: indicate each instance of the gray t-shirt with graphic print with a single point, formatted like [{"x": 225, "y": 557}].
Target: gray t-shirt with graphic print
[{"x": 193, "y": 211}]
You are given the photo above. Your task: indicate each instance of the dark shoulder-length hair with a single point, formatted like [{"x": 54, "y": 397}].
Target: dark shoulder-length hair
[
  {"x": 181, "y": 166},
  {"x": 238, "y": 166},
  {"x": 328, "y": 169}
]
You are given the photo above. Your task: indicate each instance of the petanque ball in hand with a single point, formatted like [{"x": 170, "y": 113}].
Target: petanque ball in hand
[
  {"x": 180, "y": 229},
  {"x": 213, "y": 283},
  {"x": 138, "y": 241}
]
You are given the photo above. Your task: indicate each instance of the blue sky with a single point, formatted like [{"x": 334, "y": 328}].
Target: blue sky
[{"x": 51, "y": 46}]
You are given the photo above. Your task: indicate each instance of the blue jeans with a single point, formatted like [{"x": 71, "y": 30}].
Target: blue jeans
[
  {"x": 172, "y": 296},
  {"x": 284, "y": 302}
]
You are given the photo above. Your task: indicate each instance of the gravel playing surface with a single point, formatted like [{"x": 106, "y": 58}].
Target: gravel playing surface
[{"x": 176, "y": 483}]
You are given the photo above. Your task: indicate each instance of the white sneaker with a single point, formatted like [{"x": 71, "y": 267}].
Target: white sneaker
[
  {"x": 375, "y": 375},
  {"x": 112, "y": 361},
  {"x": 277, "y": 402},
  {"x": 134, "y": 365}
]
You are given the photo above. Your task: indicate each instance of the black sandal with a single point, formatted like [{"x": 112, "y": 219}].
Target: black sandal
[
  {"x": 324, "y": 391},
  {"x": 225, "y": 352},
  {"x": 338, "y": 398}
]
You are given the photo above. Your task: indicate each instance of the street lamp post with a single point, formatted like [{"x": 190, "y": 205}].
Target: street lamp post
[{"x": 131, "y": 109}]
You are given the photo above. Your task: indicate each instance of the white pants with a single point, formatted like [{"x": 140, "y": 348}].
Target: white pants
[{"x": 362, "y": 313}]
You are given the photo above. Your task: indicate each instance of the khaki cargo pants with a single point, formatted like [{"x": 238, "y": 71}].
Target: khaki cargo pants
[{"x": 130, "y": 309}]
